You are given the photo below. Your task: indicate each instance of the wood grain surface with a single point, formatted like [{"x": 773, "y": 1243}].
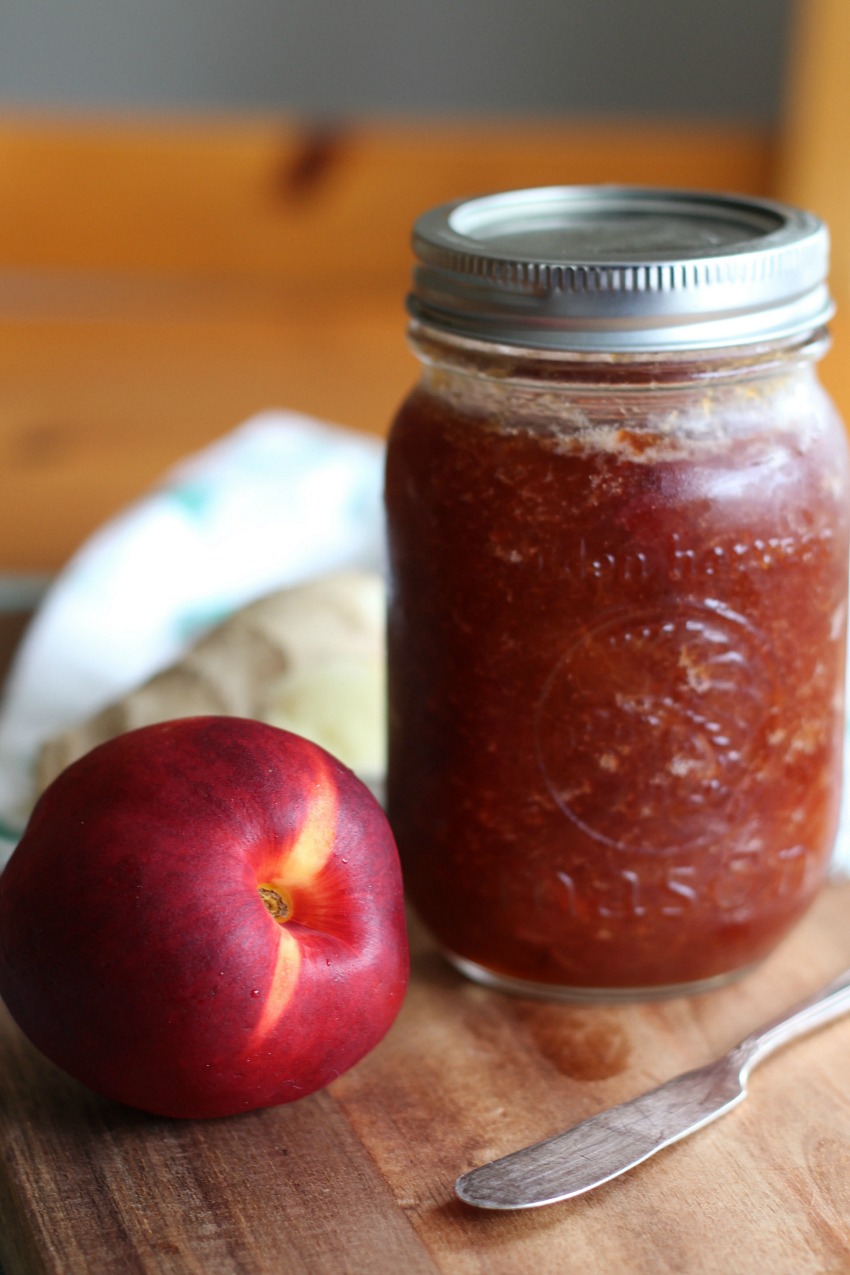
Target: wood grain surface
[
  {"x": 162, "y": 279},
  {"x": 813, "y": 142},
  {"x": 359, "y": 1178},
  {"x": 286, "y": 201}
]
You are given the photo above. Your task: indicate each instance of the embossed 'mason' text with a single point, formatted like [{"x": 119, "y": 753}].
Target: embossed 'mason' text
[
  {"x": 674, "y": 559},
  {"x": 739, "y": 885}
]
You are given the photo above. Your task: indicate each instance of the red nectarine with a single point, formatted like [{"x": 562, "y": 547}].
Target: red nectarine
[{"x": 204, "y": 917}]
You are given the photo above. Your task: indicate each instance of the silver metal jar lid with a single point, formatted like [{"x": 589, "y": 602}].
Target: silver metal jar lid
[{"x": 613, "y": 268}]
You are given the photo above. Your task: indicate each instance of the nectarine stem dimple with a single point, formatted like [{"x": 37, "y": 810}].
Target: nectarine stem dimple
[{"x": 278, "y": 902}]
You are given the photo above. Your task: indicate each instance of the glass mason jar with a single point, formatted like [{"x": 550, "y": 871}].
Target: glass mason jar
[{"x": 618, "y": 534}]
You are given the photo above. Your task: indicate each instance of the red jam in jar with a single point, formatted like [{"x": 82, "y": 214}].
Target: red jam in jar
[{"x": 618, "y": 531}]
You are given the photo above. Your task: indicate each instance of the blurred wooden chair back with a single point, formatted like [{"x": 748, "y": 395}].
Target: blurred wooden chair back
[
  {"x": 814, "y": 153},
  {"x": 279, "y": 201},
  {"x": 282, "y": 201}
]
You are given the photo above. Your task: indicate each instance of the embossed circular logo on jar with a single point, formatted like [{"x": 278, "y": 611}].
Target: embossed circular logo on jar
[{"x": 647, "y": 728}]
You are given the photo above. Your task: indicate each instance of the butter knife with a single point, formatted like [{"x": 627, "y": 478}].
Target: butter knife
[{"x": 622, "y": 1137}]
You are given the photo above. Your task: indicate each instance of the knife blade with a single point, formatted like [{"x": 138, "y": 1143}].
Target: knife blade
[
  {"x": 606, "y": 1145},
  {"x": 618, "y": 1139}
]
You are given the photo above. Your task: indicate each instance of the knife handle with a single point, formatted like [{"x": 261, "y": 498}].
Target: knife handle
[{"x": 821, "y": 1007}]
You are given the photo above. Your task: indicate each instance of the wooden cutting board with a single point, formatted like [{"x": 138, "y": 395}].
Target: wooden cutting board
[{"x": 359, "y": 1178}]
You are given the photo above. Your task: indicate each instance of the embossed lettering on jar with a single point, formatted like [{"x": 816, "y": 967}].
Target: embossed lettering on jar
[{"x": 618, "y": 608}]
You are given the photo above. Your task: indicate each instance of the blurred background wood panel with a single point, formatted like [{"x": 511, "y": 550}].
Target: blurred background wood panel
[
  {"x": 813, "y": 167},
  {"x": 162, "y": 279},
  {"x": 272, "y": 201}
]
